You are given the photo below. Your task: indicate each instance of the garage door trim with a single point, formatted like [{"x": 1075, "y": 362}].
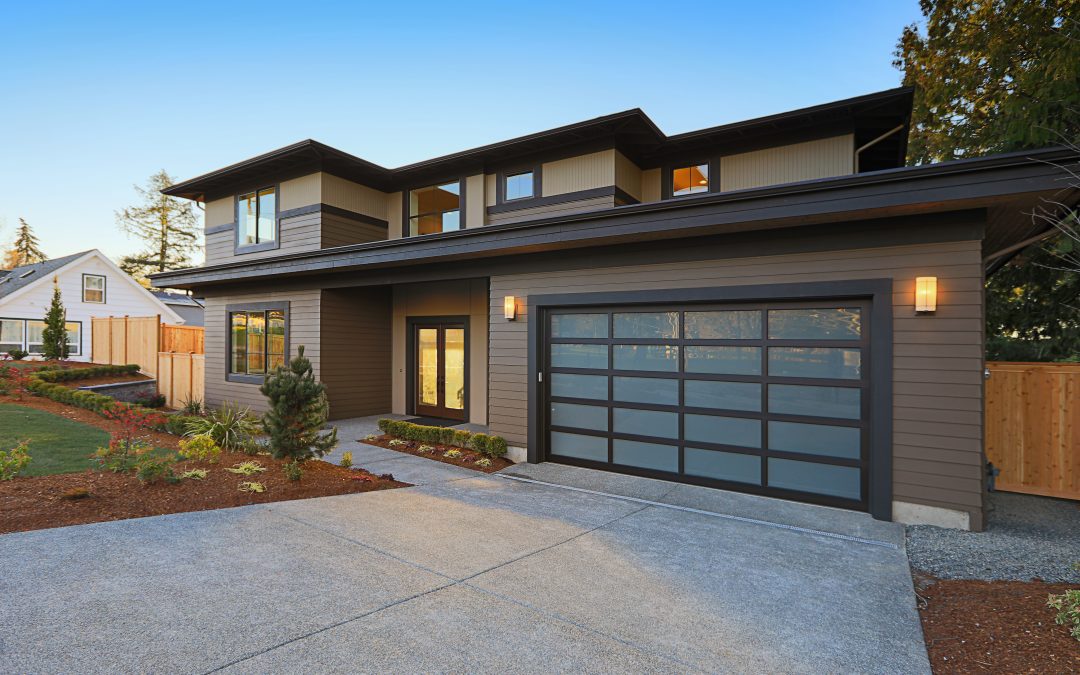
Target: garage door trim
[{"x": 878, "y": 291}]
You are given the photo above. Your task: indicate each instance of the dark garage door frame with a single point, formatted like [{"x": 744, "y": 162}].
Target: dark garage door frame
[{"x": 878, "y": 291}]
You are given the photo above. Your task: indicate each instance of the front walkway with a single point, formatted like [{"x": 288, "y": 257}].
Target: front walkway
[{"x": 463, "y": 573}]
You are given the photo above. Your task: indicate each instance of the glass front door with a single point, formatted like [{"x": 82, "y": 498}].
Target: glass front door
[{"x": 439, "y": 368}]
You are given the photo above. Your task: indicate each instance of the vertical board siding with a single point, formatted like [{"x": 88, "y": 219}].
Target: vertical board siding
[
  {"x": 302, "y": 191},
  {"x": 475, "y": 200},
  {"x": 351, "y": 196},
  {"x": 356, "y": 350},
  {"x": 1033, "y": 427},
  {"x": 303, "y": 320},
  {"x": 822, "y": 158},
  {"x": 220, "y": 212},
  {"x": 940, "y": 371},
  {"x": 627, "y": 176},
  {"x": 650, "y": 185},
  {"x": 583, "y": 172},
  {"x": 180, "y": 378}
]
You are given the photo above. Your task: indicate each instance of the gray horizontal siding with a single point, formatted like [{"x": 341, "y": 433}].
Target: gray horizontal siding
[
  {"x": 307, "y": 232},
  {"x": 937, "y": 364}
]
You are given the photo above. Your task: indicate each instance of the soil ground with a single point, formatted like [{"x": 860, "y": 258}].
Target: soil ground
[
  {"x": 467, "y": 460},
  {"x": 994, "y": 627}
]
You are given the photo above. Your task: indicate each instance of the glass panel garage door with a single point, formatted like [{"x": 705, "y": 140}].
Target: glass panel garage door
[{"x": 771, "y": 399}]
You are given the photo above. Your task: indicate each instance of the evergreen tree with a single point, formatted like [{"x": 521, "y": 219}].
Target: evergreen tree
[
  {"x": 166, "y": 225},
  {"x": 25, "y": 250},
  {"x": 298, "y": 412},
  {"x": 54, "y": 336}
]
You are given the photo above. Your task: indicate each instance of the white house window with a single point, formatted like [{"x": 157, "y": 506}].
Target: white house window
[
  {"x": 93, "y": 288},
  {"x": 256, "y": 217},
  {"x": 34, "y": 330},
  {"x": 11, "y": 334}
]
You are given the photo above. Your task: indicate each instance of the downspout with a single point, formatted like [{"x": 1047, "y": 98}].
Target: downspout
[{"x": 874, "y": 142}]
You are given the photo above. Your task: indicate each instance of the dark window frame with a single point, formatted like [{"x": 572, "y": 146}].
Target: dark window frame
[
  {"x": 411, "y": 323},
  {"x": 500, "y": 184},
  {"x": 104, "y": 288},
  {"x": 406, "y": 216},
  {"x": 667, "y": 176},
  {"x": 239, "y": 248},
  {"x": 246, "y": 378}
]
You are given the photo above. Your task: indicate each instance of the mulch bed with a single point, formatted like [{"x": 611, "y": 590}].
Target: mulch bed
[
  {"x": 467, "y": 460},
  {"x": 994, "y": 627},
  {"x": 156, "y": 438},
  {"x": 39, "y": 502}
]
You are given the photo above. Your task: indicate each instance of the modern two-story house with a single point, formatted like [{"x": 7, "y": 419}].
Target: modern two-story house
[{"x": 777, "y": 306}]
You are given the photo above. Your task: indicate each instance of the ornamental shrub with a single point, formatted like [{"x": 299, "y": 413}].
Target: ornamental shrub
[
  {"x": 150, "y": 469},
  {"x": 1068, "y": 606},
  {"x": 479, "y": 443},
  {"x": 461, "y": 438},
  {"x": 200, "y": 448},
  {"x": 298, "y": 412},
  {"x": 230, "y": 426},
  {"x": 15, "y": 460},
  {"x": 54, "y": 343},
  {"x": 346, "y": 460},
  {"x": 497, "y": 446}
]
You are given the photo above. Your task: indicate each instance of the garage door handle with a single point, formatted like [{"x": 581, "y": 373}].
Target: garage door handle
[{"x": 540, "y": 376}]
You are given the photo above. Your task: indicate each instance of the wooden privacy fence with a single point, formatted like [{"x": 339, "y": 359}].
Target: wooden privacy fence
[
  {"x": 174, "y": 355},
  {"x": 1033, "y": 427},
  {"x": 180, "y": 377}
]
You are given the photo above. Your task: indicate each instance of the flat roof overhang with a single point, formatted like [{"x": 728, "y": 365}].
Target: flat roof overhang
[{"x": 1008, "y": 186}]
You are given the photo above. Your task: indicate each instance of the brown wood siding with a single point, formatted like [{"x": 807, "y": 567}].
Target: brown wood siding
[
  {"x": 303, "y": 330},
  {"x": 356, "y": 349},
  {"x": 565, "y": 208},
  {"x": 937, "y": 366}
]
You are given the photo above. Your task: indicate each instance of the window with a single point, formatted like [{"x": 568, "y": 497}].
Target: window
[
  {"x": 93, "y": 288},
  {"x": 519, "y": 185},
  {"x": 435, "y": 209},
  {"x": 257, "y": 341},
  {"x": 35, "y": 329},
  {"x": 690, "y": 180},
  {"x": 11, "y": 334},
  {"x": 256, "y": 218}
]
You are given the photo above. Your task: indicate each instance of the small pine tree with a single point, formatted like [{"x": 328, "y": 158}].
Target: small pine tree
[
  {"x": 54, "y": 337},
  {"x": 298, "y": 411}
]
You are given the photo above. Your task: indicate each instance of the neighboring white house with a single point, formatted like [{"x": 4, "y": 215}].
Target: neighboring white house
[{"x": 91, "y": 285}]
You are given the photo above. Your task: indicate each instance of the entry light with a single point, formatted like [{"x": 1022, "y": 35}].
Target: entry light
[
  {"x": 509, "y": 307},
  {"x": 925, "y": 294}
]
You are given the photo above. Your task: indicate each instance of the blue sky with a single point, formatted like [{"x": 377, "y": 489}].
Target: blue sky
[{"x": 95, "y": 97}]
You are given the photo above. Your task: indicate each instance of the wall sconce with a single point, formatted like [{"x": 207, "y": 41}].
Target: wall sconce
[
  {"x": 509, "y": 307},
  {"x": 925, "y": 294}
]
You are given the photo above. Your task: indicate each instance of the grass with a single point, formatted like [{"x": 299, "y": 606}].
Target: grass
[{"x": 57, "y": 444}]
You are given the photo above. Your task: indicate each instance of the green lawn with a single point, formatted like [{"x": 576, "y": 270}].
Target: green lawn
[{"x": 57, "y": 444}]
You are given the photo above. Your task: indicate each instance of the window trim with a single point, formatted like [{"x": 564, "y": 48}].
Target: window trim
[
  {"x": 500, "y": 183},
  {"x": 668, "y": 176},
  {"x": 240, "y": 249},
  {"x": 406, "y": 217},
  {"x": 245, "y": 378},
  {"x": 104, "y": 288},
  {"x": 22, "y": 339},
  {"x": 74, "y": 348}
]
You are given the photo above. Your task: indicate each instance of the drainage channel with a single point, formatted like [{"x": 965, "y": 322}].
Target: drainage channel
[{"x": 725, "y": 516}]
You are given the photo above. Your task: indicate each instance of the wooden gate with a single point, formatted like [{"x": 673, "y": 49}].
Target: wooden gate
[{"x": 1033, "y": 427}]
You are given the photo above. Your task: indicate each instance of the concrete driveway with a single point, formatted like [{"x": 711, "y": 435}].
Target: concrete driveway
[{"x": 467, "y": 573}]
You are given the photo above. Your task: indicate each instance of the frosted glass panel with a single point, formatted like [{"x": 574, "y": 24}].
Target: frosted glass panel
[
  {"x": 790, "y": 399},
  {"x": 579, "y": 325},
  {"x": 724, "y": 360},
  {"x": 815, "y": 362},
  {"x": 647, "y": 390},
  {"x": 815, "y": 324},
  {"x": 579, "y": 386},
  {"x": 663, "y": 325},
  {"x": 646, "y": 455},
  {"x": 646, "y": 357},
  {"x": 723, "y": 465},
  {"x": 724, "y": 325},
  {"x": 815, "y": 439},
  {"x": 579, "y": 356},
  {"x": 646, "y": 422},
  {"x": 580, "y": 416},
  {"x": 723, "y": 430},
  {"x": 824, "y": 479},
  {"x": 576, "y": 445},
  {"x": 723, "y": 395}
]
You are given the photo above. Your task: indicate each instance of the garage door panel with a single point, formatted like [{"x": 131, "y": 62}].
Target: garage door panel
[{"x": 770, "y": 398}]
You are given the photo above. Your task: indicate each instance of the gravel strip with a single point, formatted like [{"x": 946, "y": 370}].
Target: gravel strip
[{"x": 1026, "y": 538}]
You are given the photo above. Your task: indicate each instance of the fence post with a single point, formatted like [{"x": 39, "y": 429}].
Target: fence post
[
  {"x": 172, "y": 376},
  {"x": 126, "y": 337}
]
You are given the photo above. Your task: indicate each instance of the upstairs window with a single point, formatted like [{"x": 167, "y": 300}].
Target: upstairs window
[
  {"x": 690, "y": 180},
  {"x": 435, "y": 209},
  {"x": 93, "y": 288},
  {"x": 519, "y": 186},
  {"x": 256, "y": 218}
]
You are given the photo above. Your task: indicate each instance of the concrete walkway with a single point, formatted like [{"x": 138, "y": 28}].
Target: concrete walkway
[{"x": 463, "y": 573}]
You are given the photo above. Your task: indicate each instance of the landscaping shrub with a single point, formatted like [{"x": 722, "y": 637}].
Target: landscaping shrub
[
  {"x": 254, "y": 446},
  {"x": 195, "y": 474},
  {"x": 15, "y": 460},
  {"x": 497, "y": 446},
  {"x": 150, "y": 469},
  {"x": 294, "y": 470},
  {"x": 248, "y": 486},
  {"x": 54, "y": 343},
  {"x": 247, "y": 468},
  {"x": 54, "y": 374},
  {"x": 121, "y": 455},
  {"x": 1068, "y": 606},
  {"x": 479, "y": 443},
  {"x": 461, "y": 438},
  {"x": 229, "y": 427},
  {"x": 200, "y": 449},
  {"x": 485, "y": 444},
  {"x": 346, "y": 460},
  {"x": 150, "y": 400},
  {"x": 177, "y": 424},
  {"x": 192, "y": 406},
  {"x": 452, "y": 453},
  {"x": 426, "y": 449},
  {"x": 298, "y": 411},
  {"x": 18, "y": 354},
  {"x": 483, "y": 461}
]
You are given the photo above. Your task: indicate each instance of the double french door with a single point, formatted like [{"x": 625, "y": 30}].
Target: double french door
[{"x": 439, "y": 370}]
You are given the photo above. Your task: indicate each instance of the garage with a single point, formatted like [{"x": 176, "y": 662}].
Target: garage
[{"x": 769, "y": 398}]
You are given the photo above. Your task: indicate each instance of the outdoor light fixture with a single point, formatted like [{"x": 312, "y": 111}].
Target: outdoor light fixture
[
  {"x": 509, "y": 305},
  {"x": 925, "y": 294}
]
